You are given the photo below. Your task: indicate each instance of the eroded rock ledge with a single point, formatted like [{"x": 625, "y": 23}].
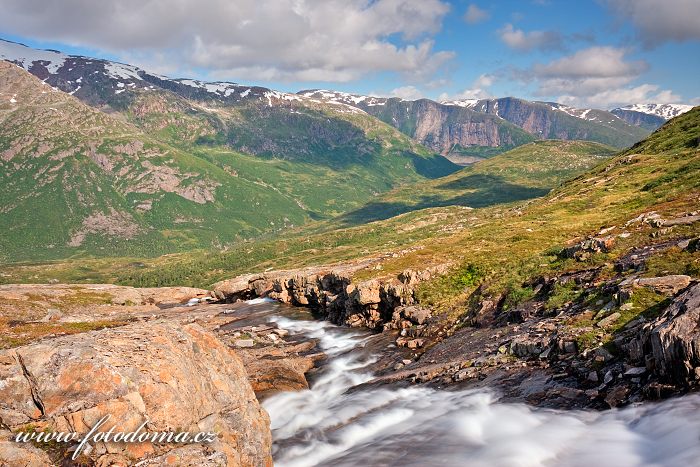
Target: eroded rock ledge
[{"x": 332, "y": 292}]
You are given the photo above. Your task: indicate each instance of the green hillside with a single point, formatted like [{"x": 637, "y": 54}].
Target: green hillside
[
  {"x": 507, "y": 243},
  {"x": 76, "y": 181},
  {"x": 526, "y": 172}
]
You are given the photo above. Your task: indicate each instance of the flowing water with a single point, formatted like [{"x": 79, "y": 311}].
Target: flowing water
[{"x": 418, "y": 426}]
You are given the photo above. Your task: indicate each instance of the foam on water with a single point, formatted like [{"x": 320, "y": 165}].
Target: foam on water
[
  {"x": 419, "y": 426},
  {"x": 257, "y": 301}
]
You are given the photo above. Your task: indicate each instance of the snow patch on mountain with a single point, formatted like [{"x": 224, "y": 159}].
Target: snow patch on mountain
[
  {"x": 467, "y": 103},
  {"x": 344, "y": 98},
  {"x": 667, "y": 111},
  {"x": 26, "y": 56},
  {"x": 121, "y": 71}
]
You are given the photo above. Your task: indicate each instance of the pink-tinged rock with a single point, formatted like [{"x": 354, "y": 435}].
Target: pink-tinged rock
[{"x": 176, "y": 377}]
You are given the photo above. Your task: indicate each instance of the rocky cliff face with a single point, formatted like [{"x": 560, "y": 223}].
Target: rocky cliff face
[
  {"x": 670, "y": 345},
  {"x": 442, "y": 128},
  {"x": 640, "y": 119},
  {"x": 550, "y": 120},
  {"x": 174, "y": 377}
]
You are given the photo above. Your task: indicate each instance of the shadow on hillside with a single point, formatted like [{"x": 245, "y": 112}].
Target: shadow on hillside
[{"x": 481, "y": 191}]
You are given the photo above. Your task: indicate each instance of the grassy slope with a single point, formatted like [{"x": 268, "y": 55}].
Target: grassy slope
[
  {"x": 526, "y": 172},
  {"x": 537, "y": 168},
  {"x": 54, "y": 181},
  {"x": 507, "y": 243}
]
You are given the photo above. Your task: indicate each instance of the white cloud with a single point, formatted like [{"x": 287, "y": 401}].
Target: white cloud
[
  {"x": 477, "y": 90},
  {"x": 474, "y": 14},
  {"x": 525, "y": 41},
  {"x": 616, "y": 97},
  {"x": 329, "y": 40},
  {"x": 659, "y": 21},
  {"x": 409, "y": 93},
  {"x": 598, "y": 77},
  {"x": 594, "y": 62},
  {"x": 590, "y": 76}
]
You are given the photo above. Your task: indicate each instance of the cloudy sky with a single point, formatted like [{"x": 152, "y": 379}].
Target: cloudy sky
[{"x": 598, "y": 53}]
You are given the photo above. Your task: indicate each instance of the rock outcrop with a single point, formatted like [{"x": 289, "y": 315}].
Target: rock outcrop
[
  {"x": 174, "y": 377},
  {"x": 332, "y": 292},
  {"x": 670, "y": 345}
]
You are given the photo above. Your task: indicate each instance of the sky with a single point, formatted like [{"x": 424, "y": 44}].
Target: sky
[{"x": 584, "y": 53}]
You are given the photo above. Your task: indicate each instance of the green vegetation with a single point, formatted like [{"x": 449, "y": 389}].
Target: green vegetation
[
  {"x": 526, "y": 172},
  {"x": 79, "y": 183}
]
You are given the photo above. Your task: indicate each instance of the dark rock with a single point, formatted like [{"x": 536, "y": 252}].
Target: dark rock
[{"x": 673, "y": 339}]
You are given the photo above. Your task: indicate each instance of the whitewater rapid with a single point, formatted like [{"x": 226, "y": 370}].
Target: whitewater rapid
[{"x": 419, "y": 426}]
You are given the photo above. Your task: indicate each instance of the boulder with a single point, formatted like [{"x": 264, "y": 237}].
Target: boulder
[
  {"x": 365, "y": 293},
  {"x": 609, "y": 320},
  {"x": 414, "y": 314},
  {"x": 673, "y": 339},
  {"x": 669, "y": 285},
  {"x": 584, "y": 249},
  {"x": 176, "y": 377},
  {"x": 525, "y": 347},
  {"x": 231, "y": 289}
]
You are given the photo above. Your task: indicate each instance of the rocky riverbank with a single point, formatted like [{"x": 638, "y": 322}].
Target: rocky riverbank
[
  {"x": 592, "y": 337},
  {"x": 161, "y": 356},
  {"x": 588, "y": 338},
  {"x": 332, "y": 292}
]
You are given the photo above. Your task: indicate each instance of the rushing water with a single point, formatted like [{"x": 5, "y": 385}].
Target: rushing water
[{"x": 418, "y": 426}]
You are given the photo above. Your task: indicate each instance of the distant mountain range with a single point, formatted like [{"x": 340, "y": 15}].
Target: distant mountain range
[
  {"x": 462, "y": 130},
  {"x": 482, "y": 127}
]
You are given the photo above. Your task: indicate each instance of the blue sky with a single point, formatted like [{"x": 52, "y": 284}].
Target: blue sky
[{"x": 599, "y": 53}]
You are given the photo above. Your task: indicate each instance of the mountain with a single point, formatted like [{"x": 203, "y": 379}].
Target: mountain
[
  {"x": 550, "y": 120},
  {"x": 460, "y": 134},
  {"x": 145, "y": 165},
  {"x": 650, "y": 116},
  {"x": 467, "y": 130}
]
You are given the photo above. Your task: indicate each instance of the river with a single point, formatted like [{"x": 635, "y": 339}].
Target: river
[{"x": 332, "y": 424}]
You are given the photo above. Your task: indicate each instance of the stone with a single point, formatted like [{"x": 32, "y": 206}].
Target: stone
[
  {"x": 21, "y": 454},
  {"x": 627, "y": 307},
  {"x": 525, "y": 347},
  {"x": 281, "y": 332},
  {"x": 367, "y": 293},
  {"x": 674, "y": 338},
  {"x": 602, "y": 354},
  {"x": 593, "y": 376},
  {"x": 415, "y": 343},
  {"x": 173, "y": 375},
  {"x": 617, "y": 396},
  {"x": 584, "y": 249},
  {"x": 607, "y": 379},
  {"x": 608, "y": 321},
  {"x": 243, "y": 343},
  {"x": 464, "y": 374},
  {"x": 415, "y": 314},
  {"x": 635, "y": 371},
  {"x": 567, "y": 346},
  {"x": 669, "y": 285},
  {"x": 684, "y": 220},
  {"x": 406, "y": 361}
]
